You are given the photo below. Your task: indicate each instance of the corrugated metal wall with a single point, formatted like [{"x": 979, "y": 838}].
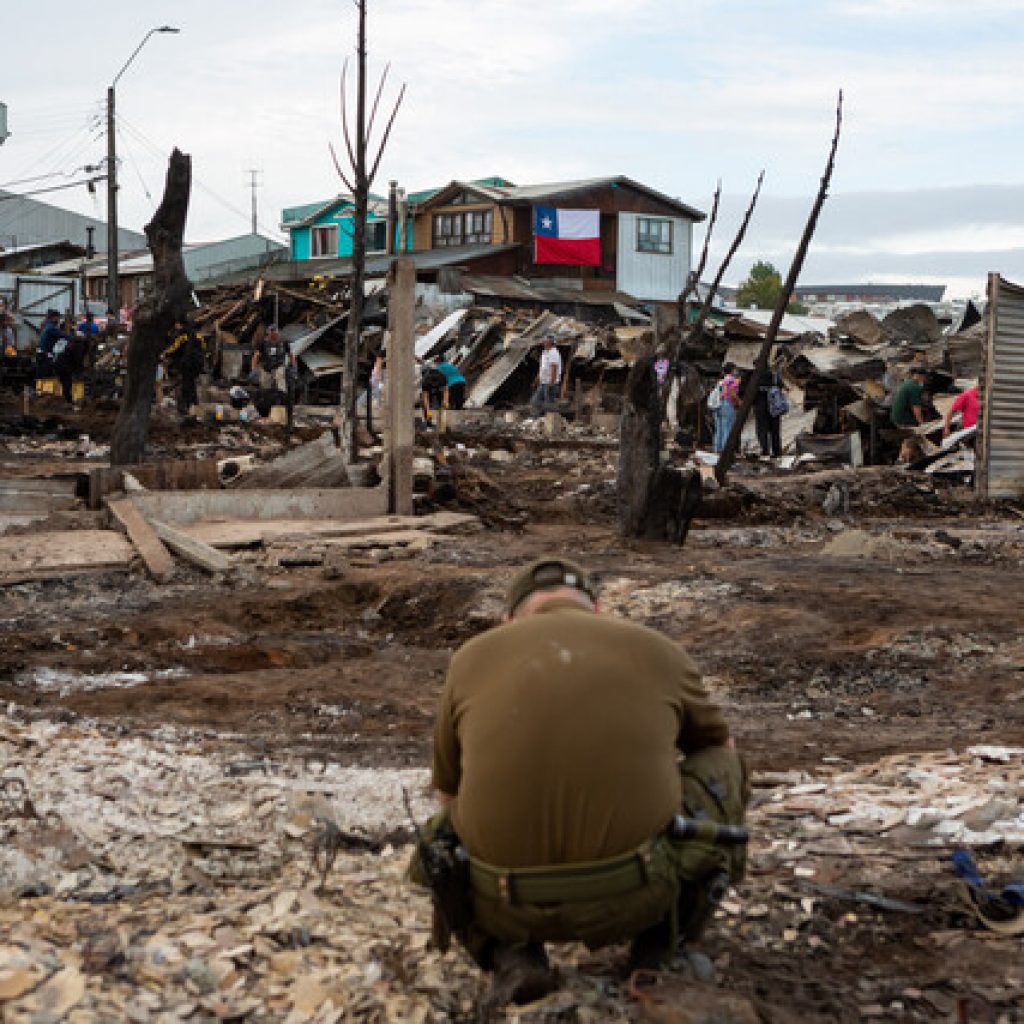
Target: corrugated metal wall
[
  {"x": 26, "y": 221},
  {"x": 1001, "y": 388},
  {"x": 652, "y": 276}
]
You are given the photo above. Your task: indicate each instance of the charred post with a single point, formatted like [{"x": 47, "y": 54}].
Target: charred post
[{"x": 169, "y": 299}]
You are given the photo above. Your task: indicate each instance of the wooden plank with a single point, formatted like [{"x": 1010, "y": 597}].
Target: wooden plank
[
  {"x": 62, "y": 553},
  {"x": 195, "y": 551},
  {"x": 248, "y": 533},
  {"x": 157, "y": 558}
]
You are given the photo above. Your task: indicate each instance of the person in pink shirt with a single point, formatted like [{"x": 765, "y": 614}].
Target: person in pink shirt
[{"x": 967, "y": 404}]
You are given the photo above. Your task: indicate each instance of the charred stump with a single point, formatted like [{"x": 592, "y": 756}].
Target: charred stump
[
  {"x": 168, "y": 299},
  {"x": 654, "y": 502}
]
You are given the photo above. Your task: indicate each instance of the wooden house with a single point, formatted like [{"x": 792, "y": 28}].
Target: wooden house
[{"x": 645, "y": 237}]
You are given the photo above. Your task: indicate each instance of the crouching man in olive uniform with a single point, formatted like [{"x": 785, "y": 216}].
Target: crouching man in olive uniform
[{"x": 592, "y": 790}]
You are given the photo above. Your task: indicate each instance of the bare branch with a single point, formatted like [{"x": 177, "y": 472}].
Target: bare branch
[
  {"x": 699, "y": 272},
  {"x": 732, "y": 444},
  {"x": 705, "y": 308},
  {"x": 384, "y": 138},
  {"x": 376, "y": 100},
  {"x": 344, "y": 122},
  {"x": 337, "y": 167}
]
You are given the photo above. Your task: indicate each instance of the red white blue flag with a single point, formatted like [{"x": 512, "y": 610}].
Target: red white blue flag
[{"x": 567, "y": 236}]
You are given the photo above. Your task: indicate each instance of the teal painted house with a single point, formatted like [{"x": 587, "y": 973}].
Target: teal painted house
[{"x": 324, "y": 230}]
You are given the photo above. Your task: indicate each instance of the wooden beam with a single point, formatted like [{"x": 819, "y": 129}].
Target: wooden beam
[
  {"x": 156, "y": 557},
  {"x": 194, "y": 551}
]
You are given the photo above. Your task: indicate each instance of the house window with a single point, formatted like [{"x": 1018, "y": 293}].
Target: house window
[
  {"x": 324, "y": 241},
  {"x": 654, "y": 235},
  {"x": 470, "y": 228},
  {"x": 377, "y": 236},
  {"x": 478, "y": 227}
]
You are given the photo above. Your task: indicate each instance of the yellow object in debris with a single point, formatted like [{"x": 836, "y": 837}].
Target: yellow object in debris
[
  {"x": 47, "y": 386},
  {"x": 78, "y": 391}
]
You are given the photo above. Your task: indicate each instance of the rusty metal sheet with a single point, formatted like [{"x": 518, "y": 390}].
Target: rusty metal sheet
[{"x": 1001, "y": 389}]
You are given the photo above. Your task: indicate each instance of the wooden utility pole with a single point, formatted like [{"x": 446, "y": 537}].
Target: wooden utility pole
[
  {"x": 728, "y": 455},
  {"x": 358, "y": 182},
  {"x": 169, "y": 299}
]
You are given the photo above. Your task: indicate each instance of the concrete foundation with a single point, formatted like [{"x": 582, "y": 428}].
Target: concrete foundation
[{"x": 311, "y": 503}]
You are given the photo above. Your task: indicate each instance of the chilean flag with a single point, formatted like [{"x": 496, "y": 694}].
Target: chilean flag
[{"x": 567, "y": 236}]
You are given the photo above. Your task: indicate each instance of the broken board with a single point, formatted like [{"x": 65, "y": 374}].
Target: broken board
[
  {"x": 62, "y": 553},
  {"x": 251, "y": 533},
  {"x": 142, "y": 535}
]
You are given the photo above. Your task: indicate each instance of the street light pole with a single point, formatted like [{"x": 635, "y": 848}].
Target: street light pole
[
  {"x": 113, "y": 255},
  {"x": 113, "y": 280}
]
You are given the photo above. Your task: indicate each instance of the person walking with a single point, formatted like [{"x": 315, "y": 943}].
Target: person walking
[{"x": 556, "y": 756}]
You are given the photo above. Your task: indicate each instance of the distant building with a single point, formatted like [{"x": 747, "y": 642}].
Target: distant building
[
  {"x": 869, "y": 294},
  {"x": 28, "y": 257},
  {"x": 203, "y": 261},
  {"x": 324, "y": 230},
  {"x": 640, "y": 246},
  {"x": 25, "y": 221}
]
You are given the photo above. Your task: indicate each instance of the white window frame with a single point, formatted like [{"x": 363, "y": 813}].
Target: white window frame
[
  {"x": 330, "y": 232},
  {"x": 643, "y": 237}
]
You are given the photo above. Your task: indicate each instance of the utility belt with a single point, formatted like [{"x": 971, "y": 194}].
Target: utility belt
[{"x": 594, "y": 880}]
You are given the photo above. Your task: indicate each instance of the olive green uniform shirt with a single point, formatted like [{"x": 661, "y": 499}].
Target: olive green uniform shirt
[{"x": 559, "y": 733}]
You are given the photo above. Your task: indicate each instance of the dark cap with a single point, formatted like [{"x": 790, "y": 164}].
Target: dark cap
[{"x": 547, "y": 574}]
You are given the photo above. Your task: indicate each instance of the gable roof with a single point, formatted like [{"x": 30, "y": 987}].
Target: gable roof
[
  {"x": 527, "y": 195},
  {"x": 309, "y": 213}
]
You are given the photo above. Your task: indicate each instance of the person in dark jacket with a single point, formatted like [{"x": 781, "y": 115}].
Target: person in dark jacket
[
  {"x": 769, "y": 435},
  {"x": 70, "y": 362},
  {"x": 52, "y": 340},
  {"x": 187, "y": 354}
]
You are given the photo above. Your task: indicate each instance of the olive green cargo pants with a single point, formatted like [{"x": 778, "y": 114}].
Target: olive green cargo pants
[{"x": 680, "y": 876}]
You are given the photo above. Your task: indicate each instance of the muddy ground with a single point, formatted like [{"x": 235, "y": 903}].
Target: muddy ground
[{"x": 826, "y": 657}]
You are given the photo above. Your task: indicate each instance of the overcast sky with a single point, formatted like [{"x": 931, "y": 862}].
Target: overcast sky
[{"x": 929, "y": 183}]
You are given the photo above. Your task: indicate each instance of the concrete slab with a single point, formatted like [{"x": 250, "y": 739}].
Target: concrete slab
[{"x": 312, "y": 503}]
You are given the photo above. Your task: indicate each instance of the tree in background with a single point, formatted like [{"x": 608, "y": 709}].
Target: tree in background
[{"x": 761, "y": 289}]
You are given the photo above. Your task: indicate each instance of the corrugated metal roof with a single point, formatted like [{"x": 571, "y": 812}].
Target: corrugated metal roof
[
  {"x": 376, "y": 266},
  {"x": 1001, "y": 389},
  {"x": 537, "y": 291}
]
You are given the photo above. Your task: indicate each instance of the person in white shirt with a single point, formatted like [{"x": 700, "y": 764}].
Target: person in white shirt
[{"x": 549, "y": 377}]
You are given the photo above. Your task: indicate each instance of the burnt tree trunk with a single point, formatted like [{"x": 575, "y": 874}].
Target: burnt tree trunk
[
  {"x": 169, "y": 298},
  {"x": 654, "y": 501}
]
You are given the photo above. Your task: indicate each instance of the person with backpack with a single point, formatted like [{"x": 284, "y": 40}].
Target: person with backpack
[
  {"x": 723, "y": 400},
  {"x": 770, "y": 405}
]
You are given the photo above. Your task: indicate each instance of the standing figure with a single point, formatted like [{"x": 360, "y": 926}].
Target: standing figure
[
  {"x": 549, "y": 377},
  {"x": 276, "y": 369},
  {"x": 52, "y": 340},
  {"x": 187, "y": 354},
  {"x": 723, "y": 400},
  {"x": 567, "y": 811},
  {"x": 768, "y": 413}
]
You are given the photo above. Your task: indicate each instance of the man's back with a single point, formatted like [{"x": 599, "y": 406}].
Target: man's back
[{"x": 558, "y": 734}]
